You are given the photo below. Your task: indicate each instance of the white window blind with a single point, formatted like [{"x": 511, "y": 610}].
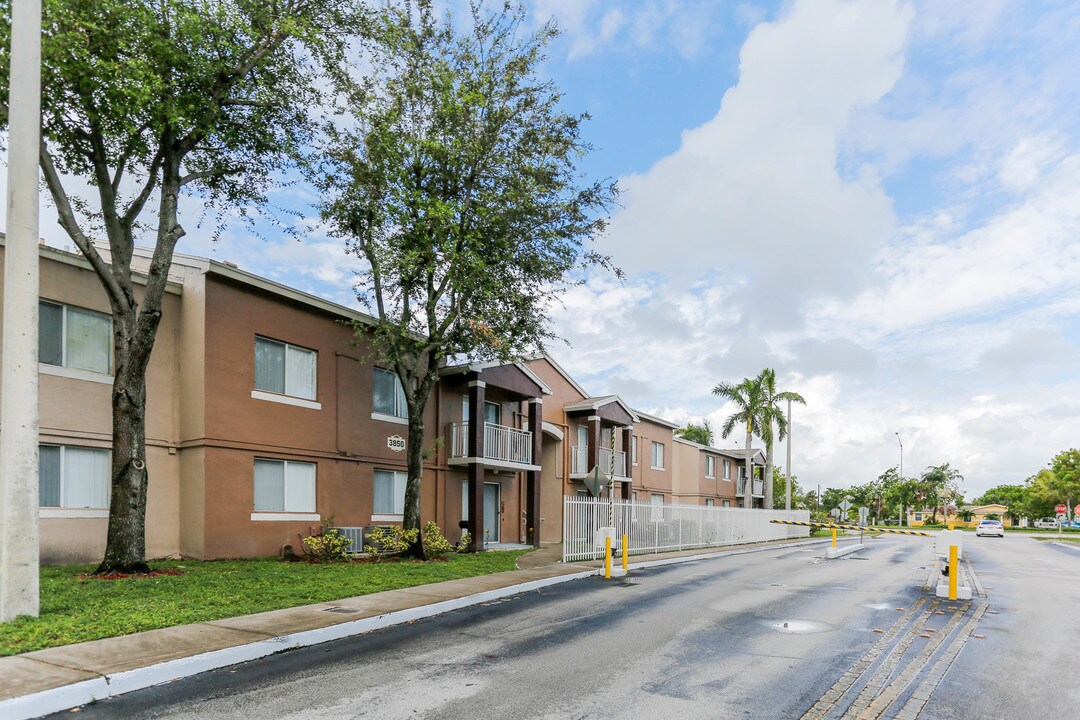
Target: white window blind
[{"x": 284, "y": 486}]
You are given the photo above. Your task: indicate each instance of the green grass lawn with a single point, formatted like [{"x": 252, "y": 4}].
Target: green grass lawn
[
  {"x": 74, "y": 609},
  {"x": 1063, "y": 538}
]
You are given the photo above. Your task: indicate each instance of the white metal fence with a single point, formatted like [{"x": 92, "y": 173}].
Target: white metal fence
[{"x": 655, "y": 528}]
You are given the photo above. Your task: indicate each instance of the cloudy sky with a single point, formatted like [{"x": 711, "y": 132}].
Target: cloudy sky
[{"x": 879, "y": 199}]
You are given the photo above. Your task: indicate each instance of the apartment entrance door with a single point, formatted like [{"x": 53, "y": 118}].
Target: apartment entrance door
[{"x": 492, "y": 514}]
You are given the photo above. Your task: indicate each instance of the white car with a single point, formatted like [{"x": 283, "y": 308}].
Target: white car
[
  {"x": 1047, "y": 523},
  {"x": 990, "y": 527}
]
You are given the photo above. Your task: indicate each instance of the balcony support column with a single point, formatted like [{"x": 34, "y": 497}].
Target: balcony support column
[
  {"x": 476, "y": 468},
  {"x": 532, "y": 477},
  {"x": 594, "y": 443},
  {"x": 627, "y": 445}
]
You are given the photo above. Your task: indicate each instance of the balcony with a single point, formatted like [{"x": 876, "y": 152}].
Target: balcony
[
  {"x": 579, "y": 462},
  {"x": 759, "y": 487},
  {"x": 504, "y": 447}
]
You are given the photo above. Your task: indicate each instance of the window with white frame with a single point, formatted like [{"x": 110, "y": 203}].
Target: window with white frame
[
  {"x": 389, "y": 396},
  {"x": 657, "y": 511},
  {"x": 727, "y": 469},
  {"x": 284, "y": 369},
  {"x": 918, "y": 517},
  {"x": 284, "y": 486},
  {"x": 709, "y": 502},
  {"x": 75, "y": 338},
  {"x": 710, "y": 466},
  {"x": 390, "y": 492},
  {"x": 73, "y": 477},
  {"x": 658, "y": 455},
  {"x": 633, "y": 449},
  {"x": 726, "y": 503}
]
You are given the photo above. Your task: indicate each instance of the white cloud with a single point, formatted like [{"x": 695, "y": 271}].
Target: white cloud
[{"x": 756, "y": 190}]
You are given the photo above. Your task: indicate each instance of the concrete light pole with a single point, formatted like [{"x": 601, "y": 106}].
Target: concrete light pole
[
  {"x": 787, "y": 498},
  {"x": 901, "y": 474},
  {"x": 19, "y": 382}
]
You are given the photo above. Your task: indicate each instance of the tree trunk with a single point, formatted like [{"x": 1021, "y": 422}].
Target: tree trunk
[
  {"x": 414, "y": 451},
  {"x": 748, "y": 494},
  {"x": 125, "y": 549}
]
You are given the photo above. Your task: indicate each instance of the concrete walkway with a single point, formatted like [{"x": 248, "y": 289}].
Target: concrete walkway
[{"x": 44, "y": 681}]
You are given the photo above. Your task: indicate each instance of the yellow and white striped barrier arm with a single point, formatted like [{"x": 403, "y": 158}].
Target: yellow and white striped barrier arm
[{"x": 835, "y": 526}]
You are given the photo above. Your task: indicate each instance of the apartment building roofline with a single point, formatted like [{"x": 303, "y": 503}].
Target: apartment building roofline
[
  {"x": 481, "y": 366},
  {"x": 76, "y": 259},
  {"x": 657, "y": 420},
  {"x": 559, "y": 369}
]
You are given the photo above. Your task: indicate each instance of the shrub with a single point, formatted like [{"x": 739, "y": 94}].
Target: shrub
[
  {"x": 390, "y": 540},
  {"x": 435, "y": 543},
  {"x": 329, "y": 545},
  {"x": 463, "y": 543}
]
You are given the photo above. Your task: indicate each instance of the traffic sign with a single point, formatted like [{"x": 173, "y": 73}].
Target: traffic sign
[
  {"x": 1060, "y": 508},
  {"x": 835, "y": 512},
  {"x": 1076, "y": 510},
  {"x": 864, "y": 515},
  {"x": 845, "y": 505},
  {"x": 596, "y": 481}
]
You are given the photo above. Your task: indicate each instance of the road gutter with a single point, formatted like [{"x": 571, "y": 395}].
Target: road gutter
[{"x": 105, "y": 686}]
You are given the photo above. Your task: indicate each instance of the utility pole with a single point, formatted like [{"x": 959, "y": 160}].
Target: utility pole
[
  {"x": 787, "y": 499},
  {"x": 19, "y": 382},
  {"x": 901, "y": 474}
]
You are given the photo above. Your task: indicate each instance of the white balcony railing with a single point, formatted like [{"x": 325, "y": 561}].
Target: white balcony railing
[
  {"x": 579, "y": 461},
  {"x": 759, "y": 487},
  {"x": 500, "y": 443},
  {"x": 605, "y": 462}
]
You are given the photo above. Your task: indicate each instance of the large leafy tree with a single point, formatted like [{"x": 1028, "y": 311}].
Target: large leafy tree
[
  {"x": 1014, "y": 497},
  {"x": 1066, "y": 469},
  {"x": 773, "y": 423},
  {"x": 453, "y": 174},
  {"x": 748, "y": 398},
  {"x": 144, "y": 101}
]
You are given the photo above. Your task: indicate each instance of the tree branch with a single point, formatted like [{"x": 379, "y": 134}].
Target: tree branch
[{"x": 68, "y": 221}]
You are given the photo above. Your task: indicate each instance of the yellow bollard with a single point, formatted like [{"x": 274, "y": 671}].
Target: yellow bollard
[
  {"x": 954, "y": 571},
  {"x": 834, "y": 537},
  {"x": 607, "y": 557},
  {"x": 625, "y": 551}
]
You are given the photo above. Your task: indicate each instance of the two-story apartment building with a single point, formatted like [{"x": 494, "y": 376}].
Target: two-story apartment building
[{"x": 267, "y": 414}]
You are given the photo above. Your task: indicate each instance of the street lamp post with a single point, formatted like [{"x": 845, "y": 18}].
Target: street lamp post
[
  {"x": 787, "y": 488},
  {"x": 19, "y": 382},
  {"x": 901, "y": 474}
]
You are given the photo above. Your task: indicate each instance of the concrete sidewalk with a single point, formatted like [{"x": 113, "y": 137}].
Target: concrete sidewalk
[{"x": 46, "y": 681}]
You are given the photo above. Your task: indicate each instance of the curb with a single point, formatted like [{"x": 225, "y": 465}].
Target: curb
[
  {"x": 837, "y": 552},
  {"x": 57, "y": 699}
]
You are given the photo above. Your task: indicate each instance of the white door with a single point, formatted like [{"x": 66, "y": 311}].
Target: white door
[{"x": 491, "y": 512}]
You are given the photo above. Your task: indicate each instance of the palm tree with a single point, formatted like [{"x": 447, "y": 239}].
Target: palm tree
[
  {"x": 701, "y": 434},
  {"x": 771, "y": 412},
  {"x": 747, "y": 397}
]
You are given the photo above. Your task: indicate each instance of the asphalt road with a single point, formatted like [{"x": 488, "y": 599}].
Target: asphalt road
[{"x": 700, "y": 640}]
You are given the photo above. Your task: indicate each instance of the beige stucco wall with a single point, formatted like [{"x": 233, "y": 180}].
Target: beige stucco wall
[{"x": 77, "y": 411}]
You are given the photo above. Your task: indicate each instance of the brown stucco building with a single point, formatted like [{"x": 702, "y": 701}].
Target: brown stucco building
[{"x": 267, "y": 415}]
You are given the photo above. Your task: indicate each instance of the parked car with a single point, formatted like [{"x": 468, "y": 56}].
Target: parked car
[
  {"x": 990, "y": 527},
  {"x": 1047, "y": 523}
]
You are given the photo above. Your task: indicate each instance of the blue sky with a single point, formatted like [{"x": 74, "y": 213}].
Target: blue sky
[{"x": 879, "y": 198}]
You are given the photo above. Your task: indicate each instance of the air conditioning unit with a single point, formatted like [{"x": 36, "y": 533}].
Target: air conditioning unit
[{"x": 356, "y": 535}]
